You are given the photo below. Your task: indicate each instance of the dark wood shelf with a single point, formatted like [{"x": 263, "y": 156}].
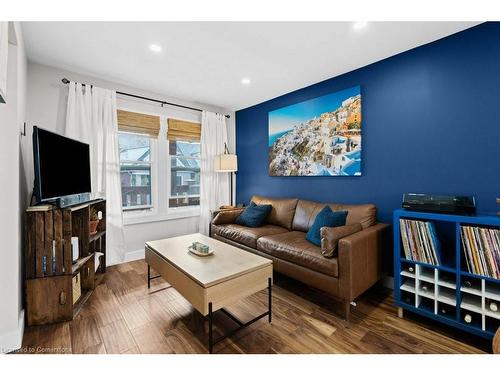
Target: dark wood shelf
[
  {"x": 81, "y": 301},
  {"x": 86, "y": 295},
  {"x": 97, "y": 235},
  {"x": 79, "y": 263},
  {"x": 98, "y": 277},
  {"x": 48, "y": 261}
]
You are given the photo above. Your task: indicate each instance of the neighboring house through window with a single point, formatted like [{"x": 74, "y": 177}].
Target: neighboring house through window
[
  {"x": 137, "y": 131},
  {"x": 184, "y": 173},
  {"x": 135, "y": 170},
  {"x": 184, "y": 154}
]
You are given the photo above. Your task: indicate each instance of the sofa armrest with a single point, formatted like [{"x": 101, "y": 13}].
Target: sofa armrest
[
  {"x": 359, "y": 260},
  {"x": 330, "y": 237},
  {"x": 226, "y": 216}
]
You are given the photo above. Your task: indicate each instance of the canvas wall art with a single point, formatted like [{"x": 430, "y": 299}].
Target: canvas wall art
[{"x": 318, "y": 137}]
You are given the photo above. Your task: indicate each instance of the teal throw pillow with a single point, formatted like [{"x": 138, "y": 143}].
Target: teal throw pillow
[
  {"x": 325, "y": 218},
  {"x": 254, "y": 215}
]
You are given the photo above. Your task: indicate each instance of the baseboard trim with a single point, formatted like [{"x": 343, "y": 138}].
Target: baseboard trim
[
  {"x": 13, "y": 340},
  {"x": 133, "y": 255},
  {"x": 127, "y": 257}
]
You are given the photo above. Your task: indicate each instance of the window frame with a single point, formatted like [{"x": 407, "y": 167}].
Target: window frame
[{"x": 169, "y": 187}]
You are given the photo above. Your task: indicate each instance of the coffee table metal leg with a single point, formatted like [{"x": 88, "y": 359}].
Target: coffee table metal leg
[
  {"x": 210, "y": 333},
  {"x": 149, "y": 276},
  {"x": 270, "y": 287},
  {"x": 241, "y": 325}
]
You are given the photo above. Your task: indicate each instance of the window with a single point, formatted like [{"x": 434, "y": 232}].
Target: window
[
  {"x": 159, "y": 166},
  {"x": 135, "y": 170},
  {"x": 184, "y": 173}
]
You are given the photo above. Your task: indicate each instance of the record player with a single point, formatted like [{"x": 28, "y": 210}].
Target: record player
[{"x": 449, "y": 204}]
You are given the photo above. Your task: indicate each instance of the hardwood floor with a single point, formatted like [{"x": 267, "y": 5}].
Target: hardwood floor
[{"x": 123, "y": 316}]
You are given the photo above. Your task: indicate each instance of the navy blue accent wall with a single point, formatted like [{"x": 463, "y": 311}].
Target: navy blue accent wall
[{"x": 431, "y": 123}]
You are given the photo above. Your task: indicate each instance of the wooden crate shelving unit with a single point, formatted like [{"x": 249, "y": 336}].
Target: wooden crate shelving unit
[
  {"x": 446, "y": 292},
  {"x": 48, "y": 260}
]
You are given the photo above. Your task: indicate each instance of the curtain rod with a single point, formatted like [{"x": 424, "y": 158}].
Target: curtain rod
[{"x": 66, "y": 81}]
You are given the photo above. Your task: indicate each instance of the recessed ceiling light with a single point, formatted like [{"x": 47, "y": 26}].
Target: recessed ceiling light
[
  {"x": 245, "y": 81},
  {"x": 359, "y": 25},
  {"x": 155, "y": 47}
]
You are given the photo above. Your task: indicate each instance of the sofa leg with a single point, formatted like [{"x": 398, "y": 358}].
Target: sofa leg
[
  {"x": 400, "y": 312},
  {"x": 347, "y": 310}
]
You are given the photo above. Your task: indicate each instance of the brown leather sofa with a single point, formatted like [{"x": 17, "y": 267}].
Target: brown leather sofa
[
  {"x": 496, "y": 342},
  {"x": 354, "y": 268}
]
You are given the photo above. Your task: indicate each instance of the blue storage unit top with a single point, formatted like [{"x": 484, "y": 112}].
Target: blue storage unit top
[{"x": 479, "y": 219}]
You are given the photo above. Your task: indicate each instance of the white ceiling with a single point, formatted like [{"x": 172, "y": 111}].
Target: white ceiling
[{"x": 205, "y": 62}]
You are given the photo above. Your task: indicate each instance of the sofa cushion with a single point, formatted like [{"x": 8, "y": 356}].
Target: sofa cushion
[
  {"x": 306, "y": 212},
  {"x": 246, "y": 235},
  {"x": 325, "y": 218},
  {"x": 365, "y": 214},
  {"x": 282, "y": 212},
  {"x": 254, "y": 215},
  {"x": 293, "y": 247}
]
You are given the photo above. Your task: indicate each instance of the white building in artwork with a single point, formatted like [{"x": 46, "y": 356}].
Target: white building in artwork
[
  {"x": 342, "y": 116},
  {"x": 348, "y": 101}
]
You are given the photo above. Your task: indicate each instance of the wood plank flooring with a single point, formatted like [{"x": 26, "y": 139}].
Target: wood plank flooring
[{"x": 123, "y": 316}]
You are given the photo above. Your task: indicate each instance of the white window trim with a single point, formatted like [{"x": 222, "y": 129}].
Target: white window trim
[
  {"x": 160, "y": 177},
  {"x": 173, "y": 214}
]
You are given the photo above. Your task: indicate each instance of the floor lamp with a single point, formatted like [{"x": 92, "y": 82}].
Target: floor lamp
[{"x": 227, "y": 163}]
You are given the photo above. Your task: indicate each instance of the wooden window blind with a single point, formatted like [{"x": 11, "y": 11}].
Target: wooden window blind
[
  {"x": 138, "y": 123},
  {"x": 183, "y": 130}
]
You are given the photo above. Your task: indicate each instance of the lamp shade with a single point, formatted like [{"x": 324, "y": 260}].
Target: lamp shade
[{"x": 226, "y": 163}]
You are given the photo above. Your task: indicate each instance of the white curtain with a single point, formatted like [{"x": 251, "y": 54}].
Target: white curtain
[
  {"x": 214, "y": 186},
  {"x": 91, "y": 118}
]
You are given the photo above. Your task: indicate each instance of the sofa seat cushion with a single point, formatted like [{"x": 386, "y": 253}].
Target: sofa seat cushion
[
  {"x": 295, "y": 248},
  {"x": 246, "y": 235}
]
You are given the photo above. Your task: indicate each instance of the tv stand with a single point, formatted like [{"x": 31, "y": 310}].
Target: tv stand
[
  {"x": 50, "y": 271},
  {"x": 72, "y": 200}
]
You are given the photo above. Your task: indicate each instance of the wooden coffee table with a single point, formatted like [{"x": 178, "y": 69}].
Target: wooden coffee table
[{"x": 210, "y": 283}]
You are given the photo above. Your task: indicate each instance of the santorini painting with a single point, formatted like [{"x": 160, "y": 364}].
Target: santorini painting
[{"x": 318, "y": 137}]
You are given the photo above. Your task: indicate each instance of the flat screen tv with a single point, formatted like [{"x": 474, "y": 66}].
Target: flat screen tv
[{"x": 62, "y": 166}]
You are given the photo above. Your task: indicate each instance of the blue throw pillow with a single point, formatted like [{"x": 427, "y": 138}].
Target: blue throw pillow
[
  {"x": 325, "y": 218},
  {"x": 254, "y": 215}
]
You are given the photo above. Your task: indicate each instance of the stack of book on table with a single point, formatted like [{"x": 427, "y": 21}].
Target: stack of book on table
[
  {"x": 420, "y": 242},
  {"x": 481, "y": 248}
]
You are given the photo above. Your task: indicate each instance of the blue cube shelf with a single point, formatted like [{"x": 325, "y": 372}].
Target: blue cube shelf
[{"x": 447, "y": 293}]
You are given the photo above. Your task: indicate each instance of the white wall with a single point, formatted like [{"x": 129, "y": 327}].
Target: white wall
[
  {"x": 46, "y": 107},
  {"x": 12, "y": 116}
]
